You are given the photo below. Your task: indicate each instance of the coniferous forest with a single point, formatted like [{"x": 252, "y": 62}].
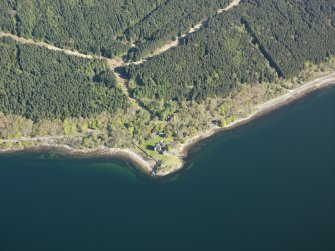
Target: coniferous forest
[
  {"x": 38, "y": 83},
  {"x": 88, "y": 26},
  {"x": 103, "y": 26},
  {"x": 259, "y": 41},
  {"x": 152, "y": 75}
]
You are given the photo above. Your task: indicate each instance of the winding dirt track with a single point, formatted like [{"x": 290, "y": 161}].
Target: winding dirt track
[
  {"x": 112, "y": 62},
  {"x": 23, "y": 40},
  {"x": 36, "y": 138},
  {"x": 175, "y": 43},
  {"x": 315, "y": 84},
  {"x": 116, "y": 62},
  {"x": 305, "y": 88}
]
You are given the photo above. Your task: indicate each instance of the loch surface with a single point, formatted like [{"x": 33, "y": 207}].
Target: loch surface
[{"x": 268, "y": 185}]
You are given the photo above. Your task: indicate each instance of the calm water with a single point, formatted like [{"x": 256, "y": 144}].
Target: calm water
[{"x": 269, "y": 186}]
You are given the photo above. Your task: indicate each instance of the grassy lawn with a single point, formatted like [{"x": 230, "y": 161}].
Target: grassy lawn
[
  {"x": 149, "y": 146},
  {"x": 168, "y": 161}
]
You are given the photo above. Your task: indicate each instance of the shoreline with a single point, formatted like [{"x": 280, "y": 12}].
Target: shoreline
[
  {"x": 148, "y": 168},
  {"x": 292, "y": 96},
  {"x": 124, "y": 154}
]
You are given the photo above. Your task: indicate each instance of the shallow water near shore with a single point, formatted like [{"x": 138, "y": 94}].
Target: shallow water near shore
[{"x": 268, "y": 185}]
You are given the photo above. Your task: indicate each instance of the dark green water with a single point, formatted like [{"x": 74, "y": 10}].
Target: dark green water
[{"x": 269, "y": 186}]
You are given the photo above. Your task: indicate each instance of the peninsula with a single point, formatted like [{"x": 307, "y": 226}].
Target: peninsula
[{"x": 144, "y": 81}]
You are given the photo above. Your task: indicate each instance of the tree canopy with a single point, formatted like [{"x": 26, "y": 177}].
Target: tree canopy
[
  {"x": 38, "y": 83},
  {"x": 258, "y": 41}
]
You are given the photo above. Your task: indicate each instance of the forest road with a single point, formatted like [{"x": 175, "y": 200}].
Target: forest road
[
  {"x": 45, "y": 138},
  {"x": 24, "y": 40},
  {"x": 317, "y": 83},
  {"x": 112, "y": 62},
  {"x": 172, "y": 44},
  {"x": 116, "y": 62}
]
